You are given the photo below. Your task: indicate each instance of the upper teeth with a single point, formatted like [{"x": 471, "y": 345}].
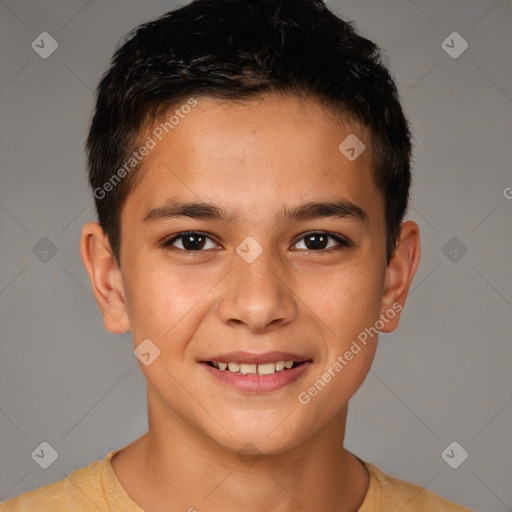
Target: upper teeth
[{"x": 261, "y": 369}]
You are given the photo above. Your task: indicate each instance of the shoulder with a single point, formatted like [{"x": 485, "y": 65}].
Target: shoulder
[
  {"x": 80, "y": 490},
  {"x": 391, "y": 494}
]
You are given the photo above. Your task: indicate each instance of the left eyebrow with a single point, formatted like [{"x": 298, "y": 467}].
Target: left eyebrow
[
  {"x": 340, "y": 208},
  {"x": 172, "y": 208}
]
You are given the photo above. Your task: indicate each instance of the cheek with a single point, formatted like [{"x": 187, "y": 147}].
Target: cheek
[
  {"x": 160, "y": 300},
  {"x": 347, "y": 309},
  {"x": 347, "y": 301},
  {"x": 352, "y": 312}
]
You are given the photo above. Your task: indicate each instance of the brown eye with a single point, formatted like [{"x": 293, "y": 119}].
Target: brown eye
[
  {"x": 319, "y": 241},
  {"x": 191, "y": 241}
]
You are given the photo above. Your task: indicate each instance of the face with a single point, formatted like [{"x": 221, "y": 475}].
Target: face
[{"x": 284, "y": 260}]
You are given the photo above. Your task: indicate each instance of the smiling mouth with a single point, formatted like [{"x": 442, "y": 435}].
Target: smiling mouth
[{"x": 255, "y": 369}]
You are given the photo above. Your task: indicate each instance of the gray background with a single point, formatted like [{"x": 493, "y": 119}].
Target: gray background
[{"x": 443, "y": 376}]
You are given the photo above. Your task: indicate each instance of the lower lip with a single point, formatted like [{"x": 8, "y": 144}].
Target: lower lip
[{"x": 258, "y": 383}]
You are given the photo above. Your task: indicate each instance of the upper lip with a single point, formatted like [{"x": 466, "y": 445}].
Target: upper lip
[{"x": 255, "y": 358}]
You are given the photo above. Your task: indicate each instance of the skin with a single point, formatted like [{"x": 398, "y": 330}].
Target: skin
[{"x": 252, "y": 159}]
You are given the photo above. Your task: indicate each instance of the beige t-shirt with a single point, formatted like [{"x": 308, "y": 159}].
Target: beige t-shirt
[{"x": 96, "y": 488}]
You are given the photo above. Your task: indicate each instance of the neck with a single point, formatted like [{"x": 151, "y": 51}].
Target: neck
[{"x": 174, "y": 465}]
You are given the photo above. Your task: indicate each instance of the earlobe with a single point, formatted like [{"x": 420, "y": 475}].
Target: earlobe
[
  {"x": 399, "y": 275},
  {"x": 105, "y": 277}
]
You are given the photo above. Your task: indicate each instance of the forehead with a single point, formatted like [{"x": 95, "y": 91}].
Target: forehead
[{"x": 254, "y": 156}]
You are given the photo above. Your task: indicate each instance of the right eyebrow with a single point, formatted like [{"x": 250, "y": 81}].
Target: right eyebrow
[{"x": 174, "y": 208}]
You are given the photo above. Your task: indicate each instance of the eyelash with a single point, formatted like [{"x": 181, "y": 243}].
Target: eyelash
[{"x": 342, "y": 242}]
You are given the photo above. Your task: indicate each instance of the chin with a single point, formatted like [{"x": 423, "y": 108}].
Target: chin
[{"x": 257, "y": 439}]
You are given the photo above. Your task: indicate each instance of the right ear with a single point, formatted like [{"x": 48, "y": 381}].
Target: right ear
[{"x": 105, "y": 277}]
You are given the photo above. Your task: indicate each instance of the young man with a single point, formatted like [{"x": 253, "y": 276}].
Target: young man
[{"x": 250, "y": 163}]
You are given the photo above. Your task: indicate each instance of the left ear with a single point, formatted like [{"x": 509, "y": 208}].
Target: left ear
[{"x": 399, "y": 274}]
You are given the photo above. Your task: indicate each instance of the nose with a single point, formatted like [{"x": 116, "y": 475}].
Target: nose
[{"x": 258, "y": 295}]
